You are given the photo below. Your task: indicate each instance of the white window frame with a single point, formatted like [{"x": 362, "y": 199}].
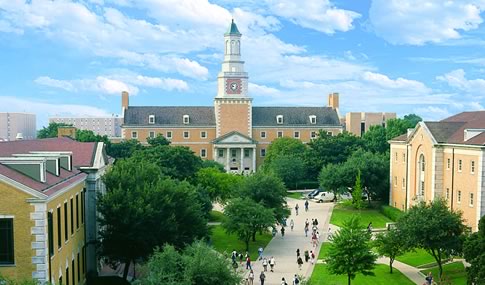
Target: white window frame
[
  {"x": 471, "y": 198},
  {"x": 134, "y": 134},
  {"x": 296, "y": 134},
  {"x": 151, "y": 119},
  {"x": 188, "y": 134},
  {"x": 169, "y": 134},
  {"x": 472, "y": 167},
  {"x": 313, "y": 134},
  {"x": 150, "y": 134},
  {"x": 203, "y": 134},
  {"x": 278, "y": 134},
  {"x": 186, "y": 119},
  {"x": 313, "y": 119},
  {"x": 262, "y": 134},
  {"x": 203, "y": 152},
  {"x": 460, "y": 165},
  {"x": 279, "y": 119},
  {"x": 219, "y": 152},
  {"x": 263, "y": 152}
]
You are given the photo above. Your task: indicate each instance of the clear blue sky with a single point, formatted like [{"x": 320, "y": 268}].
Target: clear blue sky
[{"x": 73, "y": 58}]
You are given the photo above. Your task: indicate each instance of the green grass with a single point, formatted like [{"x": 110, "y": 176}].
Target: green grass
[
  {"x": 223, "y": 242},
  {"x": 383, "y": 277},
  {"x": 342, "y": 213},
  {"x": 294, "y": 195},
  {"x": 324, "y": 250},
  {"x": 216, "y": 217},
  {"x": 453, "y": 272},
  {"x": 416, "y": 258}
]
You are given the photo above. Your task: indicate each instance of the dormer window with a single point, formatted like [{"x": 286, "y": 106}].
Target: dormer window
[
  {"x": 279, "y": 119},
  {"x": 313, "y": 119},
  {"x": 151, "y": 119},
  {"x": 186, "y": 119}
]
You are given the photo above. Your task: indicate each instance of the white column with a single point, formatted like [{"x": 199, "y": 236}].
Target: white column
[
  {"x": 254, "y": 159},
  {"x": 242, "y": 160},
  {"x": 228, "y": 168}
]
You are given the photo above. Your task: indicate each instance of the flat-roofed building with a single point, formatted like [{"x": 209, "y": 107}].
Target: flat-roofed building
[
  {"x": 358, "y": 123},
  {"x": 109, "y": 126},
  {"x": 15, "y": 126}
]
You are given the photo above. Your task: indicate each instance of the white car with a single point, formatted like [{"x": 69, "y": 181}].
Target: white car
[
  {"x": 324, "y": 197},
  {"x": 345, "y": 196}
]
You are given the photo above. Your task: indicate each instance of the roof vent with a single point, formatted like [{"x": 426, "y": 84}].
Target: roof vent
[
  {"x": 53, "y": 161},
  {"x": 34, "y": 168},
  {"x": 65, "y": 157},
  {"x": 471, "y": 133}
]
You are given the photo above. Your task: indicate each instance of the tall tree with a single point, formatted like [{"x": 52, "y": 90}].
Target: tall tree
[
  {"x": 90, "y": 136},
  {"x": 158, "y": 140},
  {"x": 391, "y": 244},
  {"x": 474, "y": 253},
  {"x": 397, "y": 127},
  {"x": 51, "y": 130},
  {"x": 289, "y": 168},
  {"x": 124, "y": 149},
  {"x": 412, "y": 119},
  {"x": 375, "y": 140},
  {"x": 283, "y": 147},
  {"x": 336, "y": 178},
  {"x": 246, "y": 217},
  {"x": 357, "y": 193},
  {"x": 435, "y": 228},
  {"x": 220, "y": 185},
  {"x": 350, "y": 251}
]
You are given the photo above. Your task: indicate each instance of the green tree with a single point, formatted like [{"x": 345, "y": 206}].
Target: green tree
[
  {"x": 282, "y": 147},
  {"x": 220, "y": 185},
  {"x": 391, "y": 244},
  {"x": 158, "y": 140},
  {"x": 90, "y": 136},
  {"x": 336, "y": 178},
  {"x": 397, "y": 127},
  {"x": 412, "y": 120},
  {"x": 197, "y": 264},
  {"x": 246, "y": 217},
  {"x": 267, "y": 190},
  {"x": 474, "y": 253},
  {"x": 350, "y": 251},
  {"x": 289, "y": 168},
  {"x": 357, "y": 193},
  {"x": 124, "y": 149},
  {"x": 435, "y": 228},
  {"x": 375, "y": 140},
  {"x": 51, "y": 130},
  {"x": 211, "y": 163}
]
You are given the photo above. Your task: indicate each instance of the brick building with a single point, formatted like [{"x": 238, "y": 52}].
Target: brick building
[
  {"x": 233, "y": 131},
  {"x": 441, "y": 159}
]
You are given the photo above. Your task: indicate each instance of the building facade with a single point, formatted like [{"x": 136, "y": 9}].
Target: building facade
[
  {"x": 109, "y": 126},
  {"x": 233, "y": 131},
  {"x": 441, "y": 159},
  {"x": 47, "y": 211},
  {"x": 358, "y": 123},
  {"x": 14, "y": 126}
]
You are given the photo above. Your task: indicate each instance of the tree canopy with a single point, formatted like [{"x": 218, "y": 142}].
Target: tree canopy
[
  {"x": 391, "y": 244},
  {"x": 220, "y": 185},
  {"x": 474, "y": 253},
  {"x": 158, "y": 140}
]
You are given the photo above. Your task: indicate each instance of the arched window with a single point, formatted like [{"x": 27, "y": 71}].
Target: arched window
[
  {"x": 421, "y": 174},
  {"x": 233, "y": 47},
  {"x": 228, "y": 47}
]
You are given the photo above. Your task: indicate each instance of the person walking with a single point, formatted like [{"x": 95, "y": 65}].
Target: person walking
[
  {"x": 306, "y": 205},
  {"x": 248, "y": 263},
  {"x": 282, "y": 232},
  {"x": 283, "y": 281},
  {"x": 251, "y": 277},
  {"x": 296, "y": 280},
  {"x": 260, "y": 252},
  {"x": 297, "y": 253},
  {"x": 273, "y": 231},
  {"x": 234, "y": 256},
  {"x": 292, "y": 224},
  {"x": 307, "y": 256},
  {"x": 429, "y": 278},
  {"x": 312, "y": 256},
  {"x": 272, "y": 263},
  {"x": 306, "y": 231},
  {"x": 296, "y": 209},
  {"x": 299, "y": 261},
  {"x": 262, "y": 277},
  {"x": 369, "y": 227},
  {"x": 265, "y": 264}
]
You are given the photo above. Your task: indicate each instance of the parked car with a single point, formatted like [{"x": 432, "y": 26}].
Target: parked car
[
  {"x": 324, "y": 197},
  {"x": 313, "y": 193},
  {"x": 345, "y": 196}
]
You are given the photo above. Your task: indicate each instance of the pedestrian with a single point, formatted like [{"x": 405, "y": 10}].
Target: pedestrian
[
  {"x": 248, "y": 263},
  {"x": 272, "y": 263},
  {"x": 251, "y": 277},
  {"x": 307, "y": 256},
  {"x": 282, "y": 232},
  {"x": 306, "y": 205},
  {"x": 312, "y": 257},
  {"x": 265, "y": 264},
  {"x": 297, "y": 253},
  {"x": 292, "y": 224},
  {"x": 241, "y": 258},
  {"x": 314, "y": 239},
  {"x": 260, "y": 252},
  {"x": 296, "y": 280},
  {"x": 296, "y": 209},
  {"x": 318, "y": 237},
  {"x": 262, "y": 277},
  {"x": 316, "y": 222},
  {"x": 234, "y": 256},
  {"x": 313, "y": 222},
  {"x": 369, "y": 227},
  {"x": 429, "y": 278},
  {"x": 306, "y": 231},
  {"x": 273, "y": 231},
  {"x": 299, "y": 261},
  {"x": 283, "y": 281},
  {"x": 307, "y": 224}
]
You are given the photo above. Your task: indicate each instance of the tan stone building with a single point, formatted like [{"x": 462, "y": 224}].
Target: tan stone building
[
  {"x": 233, "y": 131},
  {"x": 441, "y": 159},
  {"x": 358, "y": 123}
]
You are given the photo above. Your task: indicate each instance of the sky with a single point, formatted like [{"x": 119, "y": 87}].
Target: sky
[{"x": 73, "y": 58}]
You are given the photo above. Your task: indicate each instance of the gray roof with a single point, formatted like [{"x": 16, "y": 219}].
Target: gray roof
[
  {"x": 294, "y": 116},
  {"x": 204, "y": 116},
  {"x": 443, "y": 131}
]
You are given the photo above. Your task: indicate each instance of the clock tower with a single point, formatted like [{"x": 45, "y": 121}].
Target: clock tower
[{"x": 232, "y": 103}]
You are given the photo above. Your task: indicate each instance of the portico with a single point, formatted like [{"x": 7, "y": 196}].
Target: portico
[{"x": 236, "y": 152}]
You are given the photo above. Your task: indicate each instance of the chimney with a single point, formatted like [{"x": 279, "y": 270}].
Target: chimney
[
  {"x": 333, "y": 100},
  {"x": 125, "y": 102},
  {"x": 66, "y": 132}
]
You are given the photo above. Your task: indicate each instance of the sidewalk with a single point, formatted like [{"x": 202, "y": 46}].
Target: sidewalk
[{"x": 284, "y": 249}]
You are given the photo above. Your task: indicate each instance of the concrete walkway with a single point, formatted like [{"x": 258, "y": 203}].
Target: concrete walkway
[
  {"x": 284, "y": 249},
  {"x": 411, "y": 272}
]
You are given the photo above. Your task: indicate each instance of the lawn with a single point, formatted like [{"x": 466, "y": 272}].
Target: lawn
[
  {"x": 416, "y": 258},
  {"x": 453, "y": 272},
  {"x": 223, "y": 242},
  {"x": 383, "y": 277},
  {"x": 216, "y": 217},
  {"x": 294, "y": 195},
  {"x": 341, "y": 213},
  {"x": 324, "y": 250}
]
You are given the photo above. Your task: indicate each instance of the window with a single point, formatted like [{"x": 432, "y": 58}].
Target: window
[
  {"x": 50, "y": 233},
  {"x": 203, "y": 152},
  {"x": 472, "y": 167},
  {"x": 59, "y": 229},
  {"x": 6, "y": 238},
  {"x": 263, "y": 135},
  {"x": 448, "y": 163},
  {"x": 67, "y": 276},
  {"x": 72, "y": 217},
  {"x": 186, "y": 134},
  {"x": 220, "y": 153},
  {"x": 66, "y": 228},
  {"x": 403, "y": 183},
  {"x": 403, "y": 157},
  {"x": 447, "y": 193},
  {"x": 471, "y": 199},
  {"x": 459, "y": 197},
  {"x": 169, "y": 135},
  {"x": 279, "y": 119},
  {"x": 84, "y": 259},
  {"x": 330, "y": 133},
  {"x": 233, "y": 152},
  {"x": 280, "y": 134},
  {"x": 313, "y": 134},
  {"x": 134, "y": 135},
  {"x": 186, "y": 119},
  {"x": 203, "y": 134},
  {"x": 263, "y": 152},
  {"x": 422, "y": 188},
  {"x": 151, "y": 134},
  {"x": 151, "y": 119},
  {"x": 82, "y": 206},
  {"x": 395, "y": 156},
  {"x": 313, "y": 119},
  {"x": 459, "y": 165},
  {"x": 395, "y": 181},
  {"x": 73, "y": 272},
  {"x": 246, "y": 152},
  {"x": 296, "y": 135},
  {"x": 78, "y": 269}
]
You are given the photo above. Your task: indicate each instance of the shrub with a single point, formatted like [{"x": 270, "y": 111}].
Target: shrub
[
  {"x": 304, "y": 185},
  {"x": 392, "y": 213}
]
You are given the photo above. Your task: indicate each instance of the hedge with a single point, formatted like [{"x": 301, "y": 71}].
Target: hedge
[{"x": 391, "y": 212}]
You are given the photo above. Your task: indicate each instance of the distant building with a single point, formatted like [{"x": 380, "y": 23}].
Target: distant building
[
  {"x": 48, "y": 226},
  {"x": 358, "y": 123},
  {"x": 109, "y": 126},
  {"x": 441, "y": 159},
  {"x": 15, "y": 126}
]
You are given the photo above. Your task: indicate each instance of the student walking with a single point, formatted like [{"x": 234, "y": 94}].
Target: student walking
[
  {"x": 296, "y": 209},
  {"x": 272, "y": 263},
  {"x": 312, "y": 256},
  {"x": 265, "y": 264},
  {"x": 262, "y": 277},
  {"x": 299, "y": 261},
  {"x": 429, "y": 279},
  {"x": 283, "y": 281},
  {"x": 260, "y": 253},
  {"x": 282, "y": 232},
  {"x": 248, "y": 263},
  {"x": 306, "y": 205},
  {"x": 296, "y": 281},
  {"x": 297, "y": 253},
  {"x": 251, "y": 277},
  {"x": 292, "y": 224}
]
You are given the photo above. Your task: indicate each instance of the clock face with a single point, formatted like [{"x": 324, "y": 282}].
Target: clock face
[{"x": 233, "y": 86}]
